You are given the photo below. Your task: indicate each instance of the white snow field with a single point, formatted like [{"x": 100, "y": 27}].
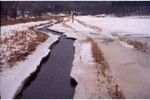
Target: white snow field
[
  {"x": 128, "y": 68},
  {"x": 123, "y": 26}
]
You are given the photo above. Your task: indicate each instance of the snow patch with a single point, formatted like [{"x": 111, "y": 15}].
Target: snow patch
[{"x": 86, "y": 53}]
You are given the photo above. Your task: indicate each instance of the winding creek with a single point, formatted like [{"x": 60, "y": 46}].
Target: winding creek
[{"x": 52, "y": 79}]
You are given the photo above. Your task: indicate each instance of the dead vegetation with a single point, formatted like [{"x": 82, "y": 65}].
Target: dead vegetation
[
  {"x": 24, "y": 20},
  {"x": 18, "y": 47},
  {"x": 97, "y": 29},
  {"x": 143, "y": 47},
  {"x": 12, "y": 21},
  {"x": 67, "y": 26},
  {"x": 139, "y": 45},
  {"x": 103, "y": 70},
  {"x": 116, "y": 93},
  {"x": 98, "y": 56}
]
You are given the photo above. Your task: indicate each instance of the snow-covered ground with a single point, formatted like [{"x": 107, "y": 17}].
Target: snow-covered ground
[
  {"x": 12, "y": 79},
  {"x": 123, "y": 26},
  {"x": 17, "y": 39},
  {"x": 9, "y": 30},
  {"x": 72, "y": 30},
  {"x": 84, "y": 71},
  {"x": 128, "y": 68}
]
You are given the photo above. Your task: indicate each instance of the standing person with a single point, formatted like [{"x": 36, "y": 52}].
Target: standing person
[{"x": 72, "y": 16}]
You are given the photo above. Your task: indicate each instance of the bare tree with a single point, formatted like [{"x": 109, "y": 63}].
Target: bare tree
[
  {"x": 4, "y": 10},
  {"x": 22, "y": 7},
  {"x": 13, "y": 9}
]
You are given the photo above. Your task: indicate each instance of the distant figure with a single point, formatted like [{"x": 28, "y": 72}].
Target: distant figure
[{"x": 72, "y": 16}]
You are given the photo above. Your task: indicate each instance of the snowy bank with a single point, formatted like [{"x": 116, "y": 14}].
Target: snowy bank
[
  {"x": 9, "y": 30},
  {"x": 84, "y": 72},
  {"x": 12, "y": 79}
]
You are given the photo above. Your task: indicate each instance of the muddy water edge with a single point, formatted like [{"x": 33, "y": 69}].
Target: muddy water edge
[{"x": 52, "y": 78}]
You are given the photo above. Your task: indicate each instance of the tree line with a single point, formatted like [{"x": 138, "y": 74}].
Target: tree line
[{"x": 14, "y": 9}]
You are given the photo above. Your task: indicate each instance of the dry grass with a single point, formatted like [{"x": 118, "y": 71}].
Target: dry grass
[
  {"x": 67, "y": 26},
  {"x": 41, "y": 37},
  {"x": 97, "y": 29},
  {"x": 12, "y": 22},
  {"x": 16, "y": 57},
  {"x": 32, "y": 46},
  {"x": 103, "y": 69},
  {"x": 24, "y": 20},
  {"x": 137, "y": 44},
  {"x": 21, "y": 45},
  {"x": 116, "y": 93},
  {"x": 98, "y": 56},
  {"x": 58, "y": 18}
]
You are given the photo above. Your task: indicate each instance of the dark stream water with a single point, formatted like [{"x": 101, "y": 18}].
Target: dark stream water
[{"x": 52, "y": 79}]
